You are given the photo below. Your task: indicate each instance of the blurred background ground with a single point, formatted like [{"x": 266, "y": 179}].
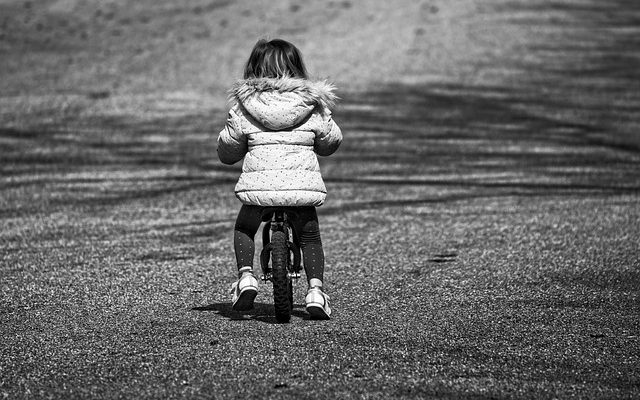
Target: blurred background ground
[{"x": 481, "y": 229}]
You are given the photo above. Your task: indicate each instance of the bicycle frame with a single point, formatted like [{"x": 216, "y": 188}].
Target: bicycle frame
[{"x": 279, "y": 219}]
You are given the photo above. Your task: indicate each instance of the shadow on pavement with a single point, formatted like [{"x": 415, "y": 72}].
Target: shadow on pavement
[{"x": 263, "y": 312}]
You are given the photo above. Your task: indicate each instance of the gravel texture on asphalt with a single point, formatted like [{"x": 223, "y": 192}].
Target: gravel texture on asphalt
[{"x": 481, "y": 239}]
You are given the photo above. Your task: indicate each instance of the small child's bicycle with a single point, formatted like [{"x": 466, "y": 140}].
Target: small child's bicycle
[{"x": 280, "y": 244}]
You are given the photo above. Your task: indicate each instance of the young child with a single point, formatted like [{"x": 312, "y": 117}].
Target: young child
[{"x": 278, "y": 122}]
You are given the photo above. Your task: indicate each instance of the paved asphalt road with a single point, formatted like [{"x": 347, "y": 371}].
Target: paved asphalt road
[{"x": 481, "y": 240}]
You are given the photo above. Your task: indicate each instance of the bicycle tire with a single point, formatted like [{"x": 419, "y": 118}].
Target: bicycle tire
[{"x": 281, "y": 282}]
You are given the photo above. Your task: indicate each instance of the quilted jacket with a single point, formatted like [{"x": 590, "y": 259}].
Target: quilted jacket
[{"x": 279, "y": 126}]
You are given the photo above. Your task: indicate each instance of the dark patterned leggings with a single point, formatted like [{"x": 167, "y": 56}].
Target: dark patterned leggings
[{"x": 306, "y": 226}]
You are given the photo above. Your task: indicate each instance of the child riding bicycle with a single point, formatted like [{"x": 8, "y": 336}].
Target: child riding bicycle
[{"x": 278, "y": 122}]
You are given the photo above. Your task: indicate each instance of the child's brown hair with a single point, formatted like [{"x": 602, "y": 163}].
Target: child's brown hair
[{"x": 275, "y": 58}]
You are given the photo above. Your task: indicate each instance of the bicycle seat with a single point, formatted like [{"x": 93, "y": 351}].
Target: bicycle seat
[{"x": 268, "y": 212}]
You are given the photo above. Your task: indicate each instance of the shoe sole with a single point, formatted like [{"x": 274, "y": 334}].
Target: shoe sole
[
  {"x": 245, "y": 300},
  {"x": 316, "y": 311}
]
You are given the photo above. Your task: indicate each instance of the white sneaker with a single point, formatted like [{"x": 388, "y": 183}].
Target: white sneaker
[
  {"x": 244, "y": 292},
  {"x": 317, "y": 303}
]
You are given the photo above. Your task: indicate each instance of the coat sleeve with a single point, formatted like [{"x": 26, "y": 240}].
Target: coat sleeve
[
  {"x": 232, "y": 142},
  {"x": 329, "y": 137}
]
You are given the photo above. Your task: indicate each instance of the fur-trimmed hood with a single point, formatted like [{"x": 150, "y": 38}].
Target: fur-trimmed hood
[{"x": 280, "y": 103}]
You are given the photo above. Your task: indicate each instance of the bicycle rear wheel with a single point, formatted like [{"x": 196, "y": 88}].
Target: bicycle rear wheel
[{"x": 282, "y": 293}]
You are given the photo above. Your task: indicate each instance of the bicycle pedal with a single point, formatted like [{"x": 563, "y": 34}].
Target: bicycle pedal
[{"x": 294, "y": 276}]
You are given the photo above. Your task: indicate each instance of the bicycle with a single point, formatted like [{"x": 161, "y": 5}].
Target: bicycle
[{"x": 280, "y": 244}]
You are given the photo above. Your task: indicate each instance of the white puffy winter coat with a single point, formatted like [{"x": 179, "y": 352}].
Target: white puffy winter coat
[{"x": 278, "y": 126}]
